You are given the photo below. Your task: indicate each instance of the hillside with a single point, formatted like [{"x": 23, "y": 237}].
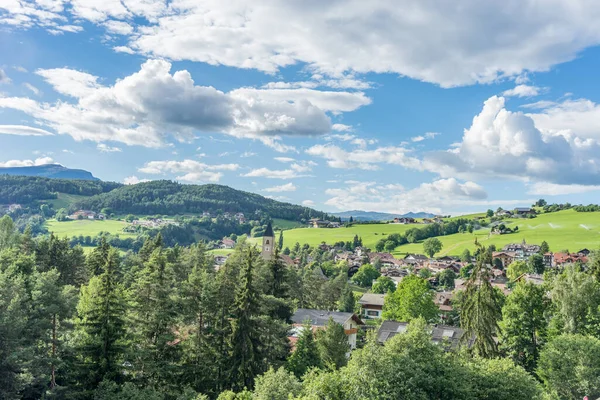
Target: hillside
[
  {"x": 55, "y": 171},
  {"x": 171, "y": 198},
  {"x": 378, "y": 216},
  {"x": 27, "y": 189},
  {"x": 563, "y": 230}
]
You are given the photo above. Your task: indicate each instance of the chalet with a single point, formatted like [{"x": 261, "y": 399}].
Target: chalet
[
  {"x": 371, "y": 305},
  {"x": 584, "y": 252},
  {"x": 415, "y": 259},
  {"x": 227, "y": 243},
  {"x": 531, "y": 278},
  {"x": 427, "y": 221},
  {"x": 503, "y": 213},
  {"x": 548, "y": 259},
  {"x": 84, "y": 214},
  {"x": 507, "y": 257},
  {"x": 522, "y": 250},
  {"x": 386, "y": 259},
  {"x": 444, "y": 301},
  {"x": 404, "y": 220},
  {"x": 447, "y": 336},
  {"x": 561, "y": 259},
  {"x": 524, "y": 211},
  {"x": 319, "y": 319},
  {"x": 317, "y": 223},
  {"x": 220, "y": 260}
]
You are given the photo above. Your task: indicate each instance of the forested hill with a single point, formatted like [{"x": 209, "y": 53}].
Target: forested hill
[
  {"x": 170, "y": 198},
  {"x": 56, "y": 171},
  {"x": 27, "y": 189}
]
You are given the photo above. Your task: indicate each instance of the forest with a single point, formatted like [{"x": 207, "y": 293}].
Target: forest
[
  {"x": 171, "y": 198},
  {"x": 28, "y": 189},
  {"x": 164, "y": 323}
]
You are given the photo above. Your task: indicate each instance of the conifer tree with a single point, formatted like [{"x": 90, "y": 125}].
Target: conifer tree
[
  {"x": 347, "y": 300},
  {"x": 245, "y": 335},
  {"x": 480, "y": 309},
  {"x": 101, "y": 325},
  {"x": 306, "y": 354},
  {"x": 280, "y": 240},
  {"x": 333, "y": 345},
  {"x": 97, "y": 259}
]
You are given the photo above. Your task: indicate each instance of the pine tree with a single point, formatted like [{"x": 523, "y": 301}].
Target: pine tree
[
  {"x": 281, "y": 240},
  {"x": 245, "y": 335},
  {"x": 276, "y": 279},
  {"x": 480, "y": 311},
  {"x": 306, "y": 354},
  {"x": 347, "y": 300},
  {"x": 98, "y": 257},
  {"x": 333, "y": 345},
  {"x": 101, "y": 325}
]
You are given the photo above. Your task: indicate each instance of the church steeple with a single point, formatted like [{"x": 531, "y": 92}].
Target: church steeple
[{"x": 268, "y": 244}]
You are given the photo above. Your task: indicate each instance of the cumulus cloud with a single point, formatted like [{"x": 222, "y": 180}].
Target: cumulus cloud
[
  {"x": 308, "y": 203},
  {"x": 23, "y": 130},
  {"x": 273, "y": 174},
  {"x": 364, "y": 159},
  {"x": 522, "y": 91},
  {"x": 341, "y": 128},
  {"x": 104, "y": 148},
  {"x": 140, "y": 108},
  {"x": 193, "y": 171},
  {"x": 27, "y": 163},
  {"x": 288, "y": 187},
  {"x": 580, "y": 117},
  {"x": 284, "y": 159},
  {"x": 132, "y": 180},
  {"x": 506, "y": 144},
  {"x": 442, "y": 194},
  {"x": 428, "y": 135},
  {"x": 420, "y": 40}
]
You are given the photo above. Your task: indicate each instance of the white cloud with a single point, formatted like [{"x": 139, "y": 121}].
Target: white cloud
[
  {"x": 118, "y": 27},
  {"x": 522, "y": 91},
  {"x": 132, "y": 180},
  {"x": 35, "y": 90},
  {"x": 20, "y": 68},
  {"x": 193, "y": 171},
  {"x": 580, "y": 117},
  {"x": 506, "y": 144},
  {"x": 284, "y": 159},
  {"x": 552, "y": 189},
  {"x": 68, "y": 151},
  {"x": 140, "y": 108},
  {"x": 442, "y": 194},
  {"x": 273, "y": 174},
  {"x": 248, "y": 154},
  {"x": 23, "y": 130},
  {"x": 363, "y": 159},
  {"x": 3, "y": 77},
  {"x": 123, "y": 49},
  {"x": 27, "y": 163},
  {"x": 288, "y": 187},
  {"x": 104, "y": 148},
  {"x": 428, "y": 135},
  {"x": 341, "y": 128},
  {"x": 308, "y": 203}
]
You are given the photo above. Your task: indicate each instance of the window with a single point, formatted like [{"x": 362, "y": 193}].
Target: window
[
  {"x": 267, "y": 242},
  {"x": 373, "y": 313},
  {"x": 266, "y": 249}
]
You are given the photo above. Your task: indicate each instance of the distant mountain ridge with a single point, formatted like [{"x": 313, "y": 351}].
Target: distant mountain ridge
[
  {"x": 378, "y": 216},
  {"x": 53, "y": 171}
]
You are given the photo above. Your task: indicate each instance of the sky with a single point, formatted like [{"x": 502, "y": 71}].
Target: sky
[{"x": 388, "y": 106}]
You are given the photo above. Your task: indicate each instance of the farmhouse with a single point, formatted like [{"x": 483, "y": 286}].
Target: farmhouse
[
  {"x": 522, "y": 250},
  {"x": 524, "y": 211},
  {"x": 503, "y": 213},
  {"x": 319, "y": 319},
  {"x": 227, "y": 243},
  {"x": 404, "y": 220},
  {"x": 416, "y": 259},
  {"x": 447, "y": 336},
  {"x": 371, "y": 305},
  {"x": 85, "y": 214},
  {"x": 561, "y": 259},
  {"x": 507, "y": 257}
]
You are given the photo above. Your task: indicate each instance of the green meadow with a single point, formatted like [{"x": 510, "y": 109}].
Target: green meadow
[
  {"x": 563, "y": 230},
  {"x": 86, "y": 227}
]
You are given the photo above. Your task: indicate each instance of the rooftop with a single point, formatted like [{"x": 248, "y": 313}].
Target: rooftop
[
  {"x": 321, "y": 317},
  {"x": 372, "y": 298}
]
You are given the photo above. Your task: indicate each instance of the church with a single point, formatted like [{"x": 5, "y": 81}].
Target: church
[{"x": 268, "y": 243}]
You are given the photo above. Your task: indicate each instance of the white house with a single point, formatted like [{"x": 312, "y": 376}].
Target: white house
[
  {"x": 371, "y": 305},
  {"x": 319, "y": 319}
]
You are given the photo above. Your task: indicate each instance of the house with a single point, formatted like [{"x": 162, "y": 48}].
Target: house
[
  {"x": 415, "y": 259},
  {"x": 205, "y": 214},
  {"x": 548, "y": 259},
  {"x": 507, "y": 257},
  {"x": 524, "y": 211},
  {"x": 404, "y": 220},
  {"x": 227, "y": 243},
  {"x": 319, "y": 319},
  {"x": 317, "y": 223},
  {"x": 503, "y": 213},
  {"x": 83, "y": 214},
  {"x": 443, "y": 300},
  {"x": 427, "y": 221},
  {"x": 447, "y": 336},
  {"x": 219, "y": 261},
  {"x": 531, "y": 278},
  {"x": 371, "y": 305},
  {"x": 584, "y": 252},
  {"x": 522, "y": 250},
  {"x": 561, "y": 259},
  {"x": 287, "y": 260},
  {"x": 13, "y": 207}
]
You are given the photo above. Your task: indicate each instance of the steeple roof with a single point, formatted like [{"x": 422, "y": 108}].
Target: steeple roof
[{"x": 269, "y": 231}]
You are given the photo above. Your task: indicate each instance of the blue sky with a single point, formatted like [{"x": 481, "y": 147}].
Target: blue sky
[{"x": 383, "y": 106}]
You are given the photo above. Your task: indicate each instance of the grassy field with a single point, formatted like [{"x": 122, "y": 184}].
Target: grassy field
[
  {"x": 564, "y": 230},
  {"x": 370, "y": 234},
  {"x": 88, "y": 228},
  {"x": 65, "y": 200},
  {"x": 285, "y": 224}
]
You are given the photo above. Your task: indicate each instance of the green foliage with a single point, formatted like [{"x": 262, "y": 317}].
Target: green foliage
[
  {"x": 480, "y": 309},
  {"x": 347, "y": 300},
  {"x": 516, "y": 269},
  {"x": 365, "y": 275},
  {"x": 432, "y": 246},
  {"x": 489, "y": 213},
  {"x": 306, "y": 354},
  {"x": 383, "y": 284},
  {"x": 412, "y": 299},
  {"x": 276, "y": 385},
  {"x": 446, "y": 278},
  {"x": 333, "y": 345},
  {"x": 466, "y": 256},
  {"x": 536, "y": 264},
  {"x": 569, "y": 367},
  {"x": 524, "y": 324}
]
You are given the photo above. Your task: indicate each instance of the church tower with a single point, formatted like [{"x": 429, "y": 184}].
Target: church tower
[{"x": 268, "y": 244}]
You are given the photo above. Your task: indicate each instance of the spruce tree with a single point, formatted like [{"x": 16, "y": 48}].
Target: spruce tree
[
  {"x": 98, "y": 257},
  {"x": 481, "y": 311},
  {"x": 101, "y": 325},
  {"x": 347, "y": 300},
  {"x": 333, "y": 345},
  {"x": 280, "y": 240},
  {"x": 306, "y": 354},
  {"x": 245, "y": 335}
]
